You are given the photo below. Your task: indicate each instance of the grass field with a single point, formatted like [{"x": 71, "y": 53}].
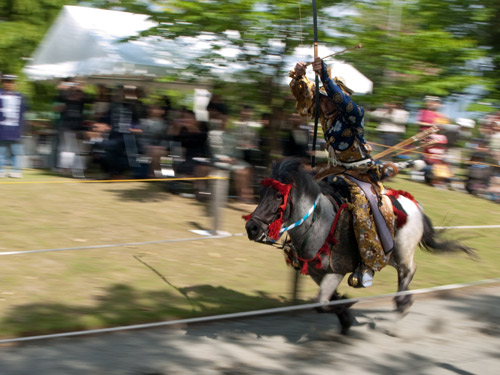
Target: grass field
[{"x": 83, "y": 289}]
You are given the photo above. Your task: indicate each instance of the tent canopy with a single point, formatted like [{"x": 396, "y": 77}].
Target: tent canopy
[{"x": 87, "y": 41}]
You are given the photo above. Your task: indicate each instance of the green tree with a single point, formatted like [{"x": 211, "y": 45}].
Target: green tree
[
  {"x": 263, "y": 33},
  {"x": 417, "y": 47},
  {"x": 411, "y": 48},
  {"x": 22, "y": 25}
]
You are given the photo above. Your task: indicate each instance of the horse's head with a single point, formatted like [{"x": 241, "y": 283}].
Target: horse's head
[{"x": 277, "y": 198}]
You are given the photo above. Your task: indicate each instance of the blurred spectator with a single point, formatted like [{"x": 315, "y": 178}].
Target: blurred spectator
[
  {"x": 494, "y": 142},
  {"x": 225, "y": 154},
  {"x": 246, "y": 133},
  {"x": 141, "y": 107},
  {"x": 479, "y": 172},
  {"x": 102, "y": 104},
  {"x": 265, "y": 136},
  {"x": 153, "y": 139},
  {"x": 192, "y": 135},
  {"x": 430, "y": 115},
  {"x": 296, "y": 138},
  {"x": 494, "y": 146},
  {"x": 490, "y": 131},
  {"x": 166, "y": 104},
  {"x": 99, "y": 131},
  {"x": 488, "y": 124},
  {"x": 493, "y": 192},
  {"x": 12, "y": 110},
  {"x": 72, "y": 101},
  {"x": 121, "y": 147},
  {"x": 393, "y": 120}
]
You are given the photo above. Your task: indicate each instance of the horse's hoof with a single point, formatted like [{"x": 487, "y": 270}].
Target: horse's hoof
[
  {"x": 321, "y": 310},
  {"x": 346, "y": 319},
  {"x": 404, "y": 304}
]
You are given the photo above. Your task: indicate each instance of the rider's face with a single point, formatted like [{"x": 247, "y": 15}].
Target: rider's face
[{"x": 328, "y": 106}]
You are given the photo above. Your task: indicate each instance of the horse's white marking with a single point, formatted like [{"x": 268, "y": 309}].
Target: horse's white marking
[
  {"x": 409, "y": 236},
  {"x": 328, "y": 285}
]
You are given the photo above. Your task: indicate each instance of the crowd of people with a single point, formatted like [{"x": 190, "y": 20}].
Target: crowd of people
[
  {"x": 458, "y": 145},
  {"x": 115, "y": 131},
  {"x": 119, "y": 132}
]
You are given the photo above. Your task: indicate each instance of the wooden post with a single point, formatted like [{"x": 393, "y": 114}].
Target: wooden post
[
  {"x": 220, "y": 190},
  {"x": 296, "y": 286}
]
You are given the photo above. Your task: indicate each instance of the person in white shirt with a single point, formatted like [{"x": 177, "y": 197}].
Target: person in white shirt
[{"x": 12, "y": 109}]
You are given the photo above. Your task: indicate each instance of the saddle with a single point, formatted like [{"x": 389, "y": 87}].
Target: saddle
[{"x": 383, "y": 210}]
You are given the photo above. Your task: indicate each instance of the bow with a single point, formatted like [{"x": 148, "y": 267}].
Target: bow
[{"x": 316, "y": 96}]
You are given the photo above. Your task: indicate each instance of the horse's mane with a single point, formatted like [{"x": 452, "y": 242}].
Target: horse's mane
[{"x": 290, "y": 170}]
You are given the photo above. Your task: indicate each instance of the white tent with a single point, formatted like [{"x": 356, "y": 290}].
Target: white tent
[{"x": 87, "y": 41}]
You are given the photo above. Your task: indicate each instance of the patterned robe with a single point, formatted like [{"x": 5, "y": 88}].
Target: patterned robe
[{"x": 344, "y": 134}]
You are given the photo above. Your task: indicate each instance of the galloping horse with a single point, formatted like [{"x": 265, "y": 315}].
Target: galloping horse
[{"x": 293, "y": 201}]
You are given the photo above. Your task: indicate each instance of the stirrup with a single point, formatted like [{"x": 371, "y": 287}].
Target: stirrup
[{"x": 361, "y": 278}]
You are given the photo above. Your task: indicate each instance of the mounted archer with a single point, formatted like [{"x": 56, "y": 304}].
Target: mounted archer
[{"x": 349, "y": 154}]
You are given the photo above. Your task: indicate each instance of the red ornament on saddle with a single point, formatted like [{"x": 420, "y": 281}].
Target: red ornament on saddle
[{"x": 401, "y": 215}]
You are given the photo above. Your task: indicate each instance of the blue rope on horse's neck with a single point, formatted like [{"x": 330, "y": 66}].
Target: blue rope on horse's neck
[{"x": 304, "y": 218}]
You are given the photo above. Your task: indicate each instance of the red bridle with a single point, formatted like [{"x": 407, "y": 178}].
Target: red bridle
[{"x": 284, "y": 189}]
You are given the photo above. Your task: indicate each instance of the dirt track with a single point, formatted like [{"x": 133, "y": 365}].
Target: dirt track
[{"x": 444, "y": 333}]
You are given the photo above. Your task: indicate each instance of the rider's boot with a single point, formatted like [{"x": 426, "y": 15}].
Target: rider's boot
[{"x": 362, "y": 277}]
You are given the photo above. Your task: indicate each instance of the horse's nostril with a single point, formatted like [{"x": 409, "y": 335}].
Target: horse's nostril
[{"x": 252, "y": 230}]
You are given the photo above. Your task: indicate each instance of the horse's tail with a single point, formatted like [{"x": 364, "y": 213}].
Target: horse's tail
[{"x": 432, "y": 242}]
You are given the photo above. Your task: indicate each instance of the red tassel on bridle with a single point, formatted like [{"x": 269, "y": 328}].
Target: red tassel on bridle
[
  {"x": 275, "y": 227},
  {"x": 247, "y": 217}
]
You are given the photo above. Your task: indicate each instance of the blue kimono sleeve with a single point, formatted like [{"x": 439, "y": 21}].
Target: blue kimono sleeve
[{"x": 352, "y": 112}]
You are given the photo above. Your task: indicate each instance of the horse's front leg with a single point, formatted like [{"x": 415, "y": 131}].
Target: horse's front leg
[
  {"x": 327, "y": 288},
  {"x": 328, "y": 292}
]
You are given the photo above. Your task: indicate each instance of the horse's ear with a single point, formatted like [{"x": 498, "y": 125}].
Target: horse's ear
[{"x": 274, "y": 167}]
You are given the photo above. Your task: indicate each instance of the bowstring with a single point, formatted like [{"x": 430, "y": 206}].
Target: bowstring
[{"x": 300, "y": 23}]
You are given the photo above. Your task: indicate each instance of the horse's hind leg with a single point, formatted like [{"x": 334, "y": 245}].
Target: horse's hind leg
[{"x": 406, "y": 269}]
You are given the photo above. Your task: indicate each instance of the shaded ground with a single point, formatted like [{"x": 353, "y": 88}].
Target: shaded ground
[
  {"x": 446, "y": 333},
  {"x": 69, "y": 290}
]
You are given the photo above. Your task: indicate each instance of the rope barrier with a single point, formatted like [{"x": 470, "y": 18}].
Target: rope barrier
[
  {"x": 76, "y": 181},
  {"x": 210, "y": 237},
  {"x": 91, "y": 247},
  {"x": 245, "y": 314},
  {"x": 470, "y": 227}
]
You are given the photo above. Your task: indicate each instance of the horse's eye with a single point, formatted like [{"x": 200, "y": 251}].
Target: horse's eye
[{"x": 278, "y": 195}]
